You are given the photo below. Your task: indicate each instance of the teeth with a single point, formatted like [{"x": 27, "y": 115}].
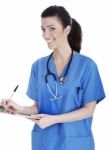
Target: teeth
[{"x": 50, "y": 41}]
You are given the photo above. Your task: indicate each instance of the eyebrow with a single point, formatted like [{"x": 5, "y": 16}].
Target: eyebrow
[{"x": 48, "y": 26}]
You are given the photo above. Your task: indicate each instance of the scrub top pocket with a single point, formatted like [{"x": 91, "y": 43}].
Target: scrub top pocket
[
  {"x": 72, "y": 97},
  {"x": 78, "y": 95},
  {"x": 77, "y": 129},
  {"x": 79, "y": 143}
]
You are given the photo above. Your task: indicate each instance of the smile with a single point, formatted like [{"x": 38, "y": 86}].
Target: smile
[{"x": 50, "y": 41}]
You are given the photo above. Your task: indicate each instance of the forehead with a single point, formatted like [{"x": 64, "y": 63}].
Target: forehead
[{"x": 50, "y": 21}]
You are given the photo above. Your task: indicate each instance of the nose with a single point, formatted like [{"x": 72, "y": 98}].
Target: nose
[{"x": 46, "y": 35}]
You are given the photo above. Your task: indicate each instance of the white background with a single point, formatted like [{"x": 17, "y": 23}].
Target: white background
[{"x": 21, "y": 44}]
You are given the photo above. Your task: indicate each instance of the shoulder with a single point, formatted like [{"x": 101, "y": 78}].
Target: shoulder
[
  {"x": 40, "y": 62},
  {"x": 85, "y": 60}
]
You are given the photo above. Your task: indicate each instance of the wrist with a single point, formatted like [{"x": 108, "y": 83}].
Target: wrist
[
  {"x": 20, "y": 109},
  {"x": 57, "y": 118},
  {"x": 62, "y": 118}
]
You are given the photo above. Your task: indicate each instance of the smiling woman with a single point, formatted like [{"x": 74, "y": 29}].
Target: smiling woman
[
  {"x": 53, "y": 32},
  {"x": 65, "y": 87}
]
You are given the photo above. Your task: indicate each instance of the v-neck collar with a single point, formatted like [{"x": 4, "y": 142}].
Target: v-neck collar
[{"x": 54, "y": 70}]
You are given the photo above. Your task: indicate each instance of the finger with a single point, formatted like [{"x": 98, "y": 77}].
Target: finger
[
  {"x": 8, "y": 104},
  {"x": 34, "y": 120},
  {"x": 4, "y": 103},
  {"x": 38, "y": 116},
  {"x": 10, "y": 107}
]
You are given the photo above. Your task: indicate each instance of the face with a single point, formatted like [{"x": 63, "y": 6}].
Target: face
[{"x": 53, "y": 32}]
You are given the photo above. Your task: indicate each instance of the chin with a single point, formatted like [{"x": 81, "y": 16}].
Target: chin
[{"x": 51, "y": 46}]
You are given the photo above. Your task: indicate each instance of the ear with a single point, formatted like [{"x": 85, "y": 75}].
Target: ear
[{"x": 67, "y": 29}]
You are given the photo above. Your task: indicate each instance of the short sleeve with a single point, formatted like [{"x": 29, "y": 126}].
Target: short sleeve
[
  {"x": 92, "y": 86},
  {"x": 33, "y": 81}
]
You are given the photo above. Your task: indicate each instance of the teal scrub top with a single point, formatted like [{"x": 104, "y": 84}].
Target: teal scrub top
[{"x": 83, "y": 86}]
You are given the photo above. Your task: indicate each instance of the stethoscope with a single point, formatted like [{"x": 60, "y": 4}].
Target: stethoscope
[{"x": 62, "y": 79}]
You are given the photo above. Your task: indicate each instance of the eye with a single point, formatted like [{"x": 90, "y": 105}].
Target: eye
[
  {"x": 52, "y": 28},
  {"x": 42, "y": 29}
]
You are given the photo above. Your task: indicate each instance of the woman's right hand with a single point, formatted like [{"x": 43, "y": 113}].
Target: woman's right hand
[{"x": 11, "y": 106}]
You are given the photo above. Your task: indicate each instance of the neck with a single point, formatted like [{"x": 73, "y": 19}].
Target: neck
[{"x": 62, "y": 54}]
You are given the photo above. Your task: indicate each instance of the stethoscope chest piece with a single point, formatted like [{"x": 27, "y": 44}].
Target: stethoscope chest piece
[{"x": 62, "y": 79}]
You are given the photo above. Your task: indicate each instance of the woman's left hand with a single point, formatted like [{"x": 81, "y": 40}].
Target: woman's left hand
[{"x": 43, "y": 120}]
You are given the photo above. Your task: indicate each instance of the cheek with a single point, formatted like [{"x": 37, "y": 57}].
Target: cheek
[
  {"x": 61, "y": 37},
  {"x": 60, "y": 34}
]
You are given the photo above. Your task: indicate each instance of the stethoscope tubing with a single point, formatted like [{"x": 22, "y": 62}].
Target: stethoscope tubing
[
  {"x": 52, "y": 74},
  {"x": 62, "y": 78}
]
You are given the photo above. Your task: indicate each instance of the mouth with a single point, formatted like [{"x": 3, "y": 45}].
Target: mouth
[{"x": 50, "y": 41}]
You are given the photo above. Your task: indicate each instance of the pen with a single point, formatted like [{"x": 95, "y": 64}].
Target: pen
[
  {"x": 2, "y": 109},
  {"x": 14, "y": 91}
]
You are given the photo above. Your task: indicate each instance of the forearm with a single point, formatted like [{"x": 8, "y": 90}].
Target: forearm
[
  {"x": 76, "y": 115},
  {"x": 28, "y": 110}
]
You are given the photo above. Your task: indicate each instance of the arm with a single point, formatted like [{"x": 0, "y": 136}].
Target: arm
[
  {"x": 29, "y": 109},
  {"x": 44, "y": 120},
  {"x": 79, "y": 114}
]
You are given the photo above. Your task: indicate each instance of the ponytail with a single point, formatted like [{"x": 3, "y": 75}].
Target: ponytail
[{"x": 75, "y": 36}]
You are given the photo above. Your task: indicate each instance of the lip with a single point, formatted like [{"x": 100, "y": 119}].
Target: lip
[{"x": 50, "y": 41}]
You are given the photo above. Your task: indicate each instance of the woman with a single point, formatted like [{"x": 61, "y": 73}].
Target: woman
[{"x": 65, "y": 87}]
